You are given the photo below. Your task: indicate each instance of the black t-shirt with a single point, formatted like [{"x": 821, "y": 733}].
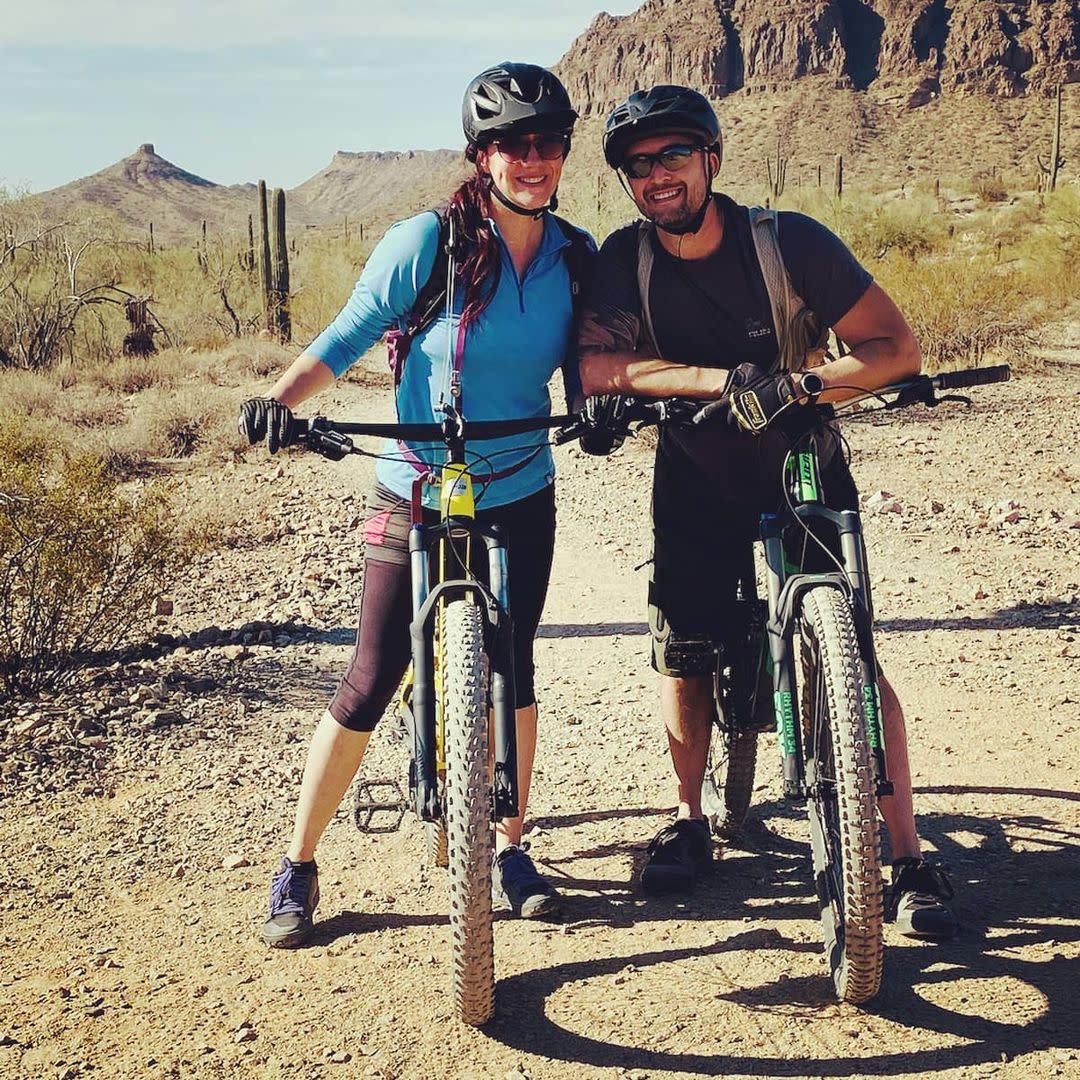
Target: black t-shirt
[{"x": 715, "y": 312}]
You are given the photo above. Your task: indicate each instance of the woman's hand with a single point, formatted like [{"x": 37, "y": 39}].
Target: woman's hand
[{"x": 267, "y": 418}]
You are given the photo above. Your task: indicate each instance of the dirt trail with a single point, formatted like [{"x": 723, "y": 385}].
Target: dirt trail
[{"x": 132, "y": 896}]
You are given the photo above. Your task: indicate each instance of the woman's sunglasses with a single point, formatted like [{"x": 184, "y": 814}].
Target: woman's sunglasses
[
  {"x": 673, "y": 158},
  {"x": 550, "y": 146}
]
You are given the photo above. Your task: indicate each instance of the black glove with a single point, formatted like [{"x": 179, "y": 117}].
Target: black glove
[
  {"x": 755, "y": 399},
  {"x": 606, "y": 420},
  {"x": 267, "y": 418}
]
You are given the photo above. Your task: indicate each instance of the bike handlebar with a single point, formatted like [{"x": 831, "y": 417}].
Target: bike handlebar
[{"x": 956, "y": 380}]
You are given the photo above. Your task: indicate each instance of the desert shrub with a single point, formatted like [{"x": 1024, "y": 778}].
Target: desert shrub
[
  {"x": 177, "y": 424},
  {"x": 989, "y": 188},
  {"x": 256, "y": 357},
  {"x": 961, "y": 308},
  {"x": 80, "y": 560}
]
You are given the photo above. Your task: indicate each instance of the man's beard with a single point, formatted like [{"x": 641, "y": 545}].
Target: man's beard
[{"x": 679, "y": 218}]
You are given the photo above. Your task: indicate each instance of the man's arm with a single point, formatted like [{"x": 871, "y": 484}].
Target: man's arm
[
  {"x": 611, "y": 364},
  {"x": 883, "y": 348}
]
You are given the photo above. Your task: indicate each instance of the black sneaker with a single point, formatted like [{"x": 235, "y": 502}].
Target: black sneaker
[
  {"x": 679, "y": 854},
  {"x": 516, "y": 884},
  {"x": 918, "y": 900},
  {"x": 294, "y": 896}
]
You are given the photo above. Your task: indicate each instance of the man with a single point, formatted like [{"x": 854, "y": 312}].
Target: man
[{"x": 706, "y": 328}]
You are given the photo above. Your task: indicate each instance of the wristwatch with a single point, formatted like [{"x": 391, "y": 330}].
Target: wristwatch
[{"x": 810, "y": 386}]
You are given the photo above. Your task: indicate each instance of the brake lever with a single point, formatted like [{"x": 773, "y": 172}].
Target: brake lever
[
  {"x": 330, "y": 444},
  {"x": 921, "y": 393}
]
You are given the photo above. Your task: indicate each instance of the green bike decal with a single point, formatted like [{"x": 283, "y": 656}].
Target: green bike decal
[
  {"x": 872, "y": 712},
  {"x": 808, "y": 485},
  {"x": 785, "y": 720}
]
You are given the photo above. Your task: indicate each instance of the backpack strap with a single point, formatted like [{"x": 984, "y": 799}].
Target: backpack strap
[
  {"x": 799, "y": 333},
  {"x": 645, "y": 258},
  {"x": 579, "y": 259}
]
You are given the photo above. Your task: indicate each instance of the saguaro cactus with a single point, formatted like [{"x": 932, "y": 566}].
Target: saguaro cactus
[
  {"x": 1056, "y": 162},
  {"x": 838, "y": 176},
  {"x": 282, "y": 324},
  {"x": 777, "y": 173},
  {"x": 265, "y": 283}
]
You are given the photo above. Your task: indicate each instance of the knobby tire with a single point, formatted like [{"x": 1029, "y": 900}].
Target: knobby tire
[
  {"x": 842, "y": 804},
  {"x": 729, "y": 779},
  {"x": 468, "y": 812}
]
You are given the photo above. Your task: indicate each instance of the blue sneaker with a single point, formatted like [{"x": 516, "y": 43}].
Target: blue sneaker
[
  {"x": 294, "y": 896},
  {"x": 516, "y": 884}
]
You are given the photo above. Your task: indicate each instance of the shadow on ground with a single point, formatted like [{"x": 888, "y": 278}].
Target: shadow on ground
[{"x": 1004, "y": 901}]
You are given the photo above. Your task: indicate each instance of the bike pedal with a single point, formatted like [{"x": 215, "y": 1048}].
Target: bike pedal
[{"x": 379, "y": 806}]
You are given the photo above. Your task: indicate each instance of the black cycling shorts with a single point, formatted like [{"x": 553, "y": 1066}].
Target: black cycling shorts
[
  {"x": 383, "y": 648},
  {"x": 703, "y": 548}
]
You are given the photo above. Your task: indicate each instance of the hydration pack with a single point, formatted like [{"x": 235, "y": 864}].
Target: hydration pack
[{"x": 800, "y": 337}]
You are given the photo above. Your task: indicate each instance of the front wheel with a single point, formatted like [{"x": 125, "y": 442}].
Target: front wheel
[
  {"x": 468, "y": 811},
  {"x": 842, "y": 802}
]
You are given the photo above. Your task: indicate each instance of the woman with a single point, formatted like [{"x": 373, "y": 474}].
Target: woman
[{"x": 513, "y": 302}]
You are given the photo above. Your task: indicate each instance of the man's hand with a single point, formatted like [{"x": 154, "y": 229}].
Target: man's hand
[
  {"x": 605, "y": 416},
  {"x": 267, "y": 418},
  {"x": 756, "y": 399}
]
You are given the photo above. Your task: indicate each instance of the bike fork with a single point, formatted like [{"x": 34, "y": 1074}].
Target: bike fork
[
  {"x": 786, "y": 708},
  {"x": 851, "y": 547}
]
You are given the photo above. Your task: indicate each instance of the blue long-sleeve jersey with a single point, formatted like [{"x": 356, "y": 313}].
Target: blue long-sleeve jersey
[{"x": 512, "y": 350}]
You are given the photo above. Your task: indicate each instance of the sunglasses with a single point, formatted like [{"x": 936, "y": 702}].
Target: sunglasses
[
  {"x": 672, "y": 158},
  {"x": 549, "y": 146}
]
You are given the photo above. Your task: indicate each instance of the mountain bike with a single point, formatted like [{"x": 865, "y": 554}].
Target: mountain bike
[
  {"x": 825, "y": 705},
  {"x": 458, "y": 701}
]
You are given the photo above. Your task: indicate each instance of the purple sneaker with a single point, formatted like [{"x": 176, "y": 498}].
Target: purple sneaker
[{"x": 294, "y": 896}]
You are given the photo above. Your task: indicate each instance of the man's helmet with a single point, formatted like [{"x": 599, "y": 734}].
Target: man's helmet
[
  {"x": 661, "y": 109},
  {"x": 514, "y": 98}
]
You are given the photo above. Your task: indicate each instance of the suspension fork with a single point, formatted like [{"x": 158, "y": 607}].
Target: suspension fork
[
  {"x": 779, "y": 636},
  {"x": 853, "y": 551},
  {"x": 499, "y": 636}
]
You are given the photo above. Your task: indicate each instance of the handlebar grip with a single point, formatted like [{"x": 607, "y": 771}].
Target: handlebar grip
[
  {"x": 956, "y": 380},
  {"x": 703, "y": 416}
]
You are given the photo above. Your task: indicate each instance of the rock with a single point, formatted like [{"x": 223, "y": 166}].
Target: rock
[
  {"x": 234, "y": 862},
  {"x": 244, "y": 1034},
  {"x": 163, "y": 606}
]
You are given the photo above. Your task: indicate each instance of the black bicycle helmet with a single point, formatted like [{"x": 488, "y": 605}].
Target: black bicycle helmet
[
  {"x": 663, "y": 108},
  {"x": 519, "y": 98}
]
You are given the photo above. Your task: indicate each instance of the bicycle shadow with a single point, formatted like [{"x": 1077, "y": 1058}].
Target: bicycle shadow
[{"x": 1002, "y": 866}]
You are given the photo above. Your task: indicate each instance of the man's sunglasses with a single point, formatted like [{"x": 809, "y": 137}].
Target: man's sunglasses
[
  {"x": 672, "y": 158},
  {"x": 550, "y": 146}
]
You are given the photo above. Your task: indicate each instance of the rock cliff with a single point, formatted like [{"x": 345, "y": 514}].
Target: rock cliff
[{"x": 926, "y": 46}]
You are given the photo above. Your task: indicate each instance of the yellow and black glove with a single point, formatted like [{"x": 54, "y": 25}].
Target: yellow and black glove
[{"x": 756, "y": 399}]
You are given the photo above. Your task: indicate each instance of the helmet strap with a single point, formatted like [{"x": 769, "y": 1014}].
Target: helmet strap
[{"x": 535, "y": 214}]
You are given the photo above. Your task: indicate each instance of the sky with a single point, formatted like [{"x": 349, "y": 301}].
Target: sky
[{"x": 241, "y": 89}]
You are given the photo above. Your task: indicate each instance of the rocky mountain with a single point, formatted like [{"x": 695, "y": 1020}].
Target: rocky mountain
[
  {"x": 145, "y": 187},
  {"x": 929, "y": 46},
  {"x": 358, "y": 183}
]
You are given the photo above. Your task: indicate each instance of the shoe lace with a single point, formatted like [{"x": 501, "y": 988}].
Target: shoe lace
[
  {"x": 517, "y": 867},
  {"x": 290, "y": 890}
]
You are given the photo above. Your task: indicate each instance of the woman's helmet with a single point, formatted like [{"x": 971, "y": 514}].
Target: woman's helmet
[
  {"x": 514, "y": 98},
  {"x": 661, "y": 109}
]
